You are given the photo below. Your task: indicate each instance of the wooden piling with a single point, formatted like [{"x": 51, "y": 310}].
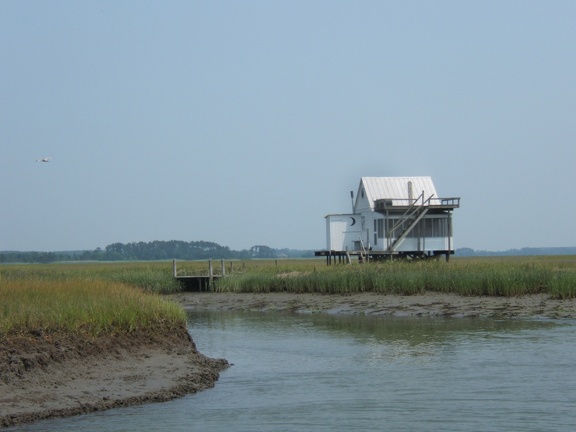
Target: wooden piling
[{"x": 210, "y": 272}]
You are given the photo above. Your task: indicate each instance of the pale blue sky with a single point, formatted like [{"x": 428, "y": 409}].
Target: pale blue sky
[{"x": 246, "y": 122}]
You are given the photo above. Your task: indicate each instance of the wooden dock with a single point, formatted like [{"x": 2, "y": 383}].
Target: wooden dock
[{"x": 198, "y": 283}]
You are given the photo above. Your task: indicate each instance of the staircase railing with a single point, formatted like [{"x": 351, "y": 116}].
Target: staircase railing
[
  {"x": 407, "y": 214},
  {"x": 363, "y": 253},
  {"x": 416, "y": 212}
]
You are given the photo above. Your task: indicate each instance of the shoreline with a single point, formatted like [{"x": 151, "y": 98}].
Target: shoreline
[
  {"x": 430, "y": 304},
  {"x": 49, "y": 376}
]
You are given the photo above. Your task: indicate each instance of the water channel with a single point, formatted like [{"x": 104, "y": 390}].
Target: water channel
[{"x": 320, "y": 372}]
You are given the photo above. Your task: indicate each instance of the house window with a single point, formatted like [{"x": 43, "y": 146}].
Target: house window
[
  {"x": 380, "y": 228},
  {"x": 431, "y": 227},
  {"x": 428, "y": 227}
]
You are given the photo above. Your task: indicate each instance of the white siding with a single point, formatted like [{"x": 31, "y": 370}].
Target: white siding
[{"x": 342, "y": 230}]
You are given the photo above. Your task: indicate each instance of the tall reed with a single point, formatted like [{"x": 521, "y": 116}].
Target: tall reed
[
  {"x": 153, "y": 277},
  {"x": 465, "y": 277}
]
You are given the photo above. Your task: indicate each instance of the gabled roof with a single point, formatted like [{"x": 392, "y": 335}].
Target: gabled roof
[{"x": 395, "y": 189}]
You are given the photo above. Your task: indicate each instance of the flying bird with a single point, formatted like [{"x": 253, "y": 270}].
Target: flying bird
[{"x": 46, "y": 159}]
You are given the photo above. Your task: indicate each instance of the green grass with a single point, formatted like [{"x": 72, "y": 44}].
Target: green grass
[
  {"x": 91, "y": 299},
  {"x": 155, "y": 277},
  {"x": 84, "y": 307},
  {"x": 495, "y": 277}
]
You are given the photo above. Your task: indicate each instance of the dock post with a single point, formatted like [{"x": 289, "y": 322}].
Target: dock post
[
  {"x": 210, "y": 274},
  {"x": 174, "y": 272},
  {"x": 449, "y": 236}
]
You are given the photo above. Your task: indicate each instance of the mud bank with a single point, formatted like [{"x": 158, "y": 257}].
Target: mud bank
[
  {"x": 430, "y": 304},
  {"x": 46, "y": 375}
]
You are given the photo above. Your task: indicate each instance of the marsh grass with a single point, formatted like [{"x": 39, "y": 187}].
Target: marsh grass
[
  {"x": 87, "y": 307},
  {"x": 470, "y": 277},
  {"x": 562, "y": 285},
  {"x": 108, "y": 298},
  {"x": 155, "y": 277},
  {"x": 92, "y": 299}
]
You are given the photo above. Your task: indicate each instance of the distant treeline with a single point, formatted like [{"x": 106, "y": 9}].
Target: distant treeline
[
  {"x": 197, "y": 250},
  {"x": 155, "y": 250},
  {"x": 518, "y": 252}
]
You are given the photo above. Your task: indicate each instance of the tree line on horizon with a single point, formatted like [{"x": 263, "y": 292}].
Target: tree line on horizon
[
  {"x": 154, "y": 251},
  {"x": 197, "y": 250},
  {"x": 527, "y": 251}
]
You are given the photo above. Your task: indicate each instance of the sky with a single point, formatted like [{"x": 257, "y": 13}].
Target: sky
[{"x": 247, "y": 122}]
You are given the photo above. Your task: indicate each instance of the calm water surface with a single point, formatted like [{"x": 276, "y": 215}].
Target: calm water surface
[{"x": 341, "y": 373}]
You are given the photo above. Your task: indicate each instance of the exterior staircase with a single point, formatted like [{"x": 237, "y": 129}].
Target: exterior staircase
[{"x": 411, "y": 217}]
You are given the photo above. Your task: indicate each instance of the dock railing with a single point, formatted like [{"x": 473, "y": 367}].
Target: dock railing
[{"x": 202, "y": 282}]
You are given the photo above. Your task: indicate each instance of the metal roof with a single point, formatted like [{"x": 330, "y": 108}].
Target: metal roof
[{"x": 396, "y": 188}]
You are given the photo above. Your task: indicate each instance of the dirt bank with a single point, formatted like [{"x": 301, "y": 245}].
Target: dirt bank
[
  {"x": 49, "y": 375},
  {"x": 431, "y": 304}
]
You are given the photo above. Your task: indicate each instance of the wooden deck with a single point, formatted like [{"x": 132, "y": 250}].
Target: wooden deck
[
  {"x": 340, "y": 257},
  {"x": 345, "y": 257}
]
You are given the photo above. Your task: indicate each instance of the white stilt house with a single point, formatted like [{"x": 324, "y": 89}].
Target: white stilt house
[{"x": 393, "y": 217}]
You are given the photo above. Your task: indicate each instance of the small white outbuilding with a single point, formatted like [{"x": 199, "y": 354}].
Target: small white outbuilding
[{"x": 393, "y": 217}]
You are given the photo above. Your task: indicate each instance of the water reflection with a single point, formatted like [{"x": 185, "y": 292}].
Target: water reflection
[
  {"x": 418, "y": 339},
  {"x": 329, "y": 373},
  {"x": 388, "y": 338}
]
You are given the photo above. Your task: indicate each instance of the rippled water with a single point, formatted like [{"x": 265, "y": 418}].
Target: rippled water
[{"x": 341, "y": 373}]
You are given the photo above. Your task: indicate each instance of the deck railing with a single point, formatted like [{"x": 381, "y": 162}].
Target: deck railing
[{"x": 383, "y": 204}]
